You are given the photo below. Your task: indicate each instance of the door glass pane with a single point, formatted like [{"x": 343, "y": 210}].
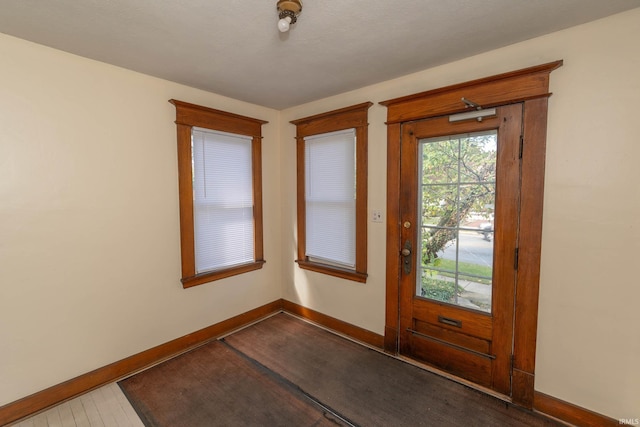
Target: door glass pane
[
  {"x": 436, "y": 200},
  {"x": 457, "y": 181},
  {"x": 437, "y": 167}
]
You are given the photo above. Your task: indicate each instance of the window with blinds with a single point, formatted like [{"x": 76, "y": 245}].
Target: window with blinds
[
  {"x": 330, "y": 198},
  {"x": 331, "y": 158},
  {"x": 220, "y": 193},
  {"x": 222, "y": 199}
]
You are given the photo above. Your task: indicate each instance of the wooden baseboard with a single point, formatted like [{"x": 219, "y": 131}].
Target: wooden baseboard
[
  {"x": 74, "y": 387},
  {"x": 51, "y": 396},
  {"x": 569, "y": 412},
  {"x": 352, "y": 331}
]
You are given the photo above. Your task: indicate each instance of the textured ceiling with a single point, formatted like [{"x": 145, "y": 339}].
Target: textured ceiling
[{"x": 233, "y": 47}]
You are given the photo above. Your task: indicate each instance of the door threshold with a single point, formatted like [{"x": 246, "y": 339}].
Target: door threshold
[{"x": 453, "y": 378}]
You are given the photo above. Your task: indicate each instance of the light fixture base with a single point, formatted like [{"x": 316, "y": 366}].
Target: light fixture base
[
  {"x": 288, "y": 11},
  {"x": 294, "y": 6}
]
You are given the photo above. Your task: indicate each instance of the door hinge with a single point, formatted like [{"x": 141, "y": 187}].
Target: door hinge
[
  {"x": 513, "y": 362},
  {"x": 516, "y": 254},
  {"x": 521, "y": 145}
]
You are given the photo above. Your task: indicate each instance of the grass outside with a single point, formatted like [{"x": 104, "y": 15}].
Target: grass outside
[
  {"x": 444, "y": 290},
  {"x": 463, "y": 269}
]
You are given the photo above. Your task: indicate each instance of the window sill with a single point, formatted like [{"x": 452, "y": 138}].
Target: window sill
[
  {"x": 333, "y": 271},
  {"x": 210, "y": 276}
]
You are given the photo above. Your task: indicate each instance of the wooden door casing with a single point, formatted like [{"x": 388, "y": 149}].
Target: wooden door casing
[{"x": 531, "y": 87}]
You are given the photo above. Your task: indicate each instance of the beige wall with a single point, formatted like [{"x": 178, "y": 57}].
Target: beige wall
[
  {"x": 89, "y": 255},
  {"x": 89, "y": 242},
  {"x": 589, "y": 334}
]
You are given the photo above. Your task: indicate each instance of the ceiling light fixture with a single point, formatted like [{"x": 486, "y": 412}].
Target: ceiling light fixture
[{"x": 288, "y": 11}]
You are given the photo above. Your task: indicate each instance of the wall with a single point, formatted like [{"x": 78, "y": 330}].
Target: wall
[
  {"x": 588, "y": 338},
  {"x": 89, "y": 245},
  {"x": 89, "y": 240}
]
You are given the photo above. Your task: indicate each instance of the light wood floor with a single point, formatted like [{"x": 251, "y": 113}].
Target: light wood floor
[{"x": 103, "y": 407}]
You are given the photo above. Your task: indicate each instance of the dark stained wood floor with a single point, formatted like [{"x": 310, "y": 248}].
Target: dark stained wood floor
[{"x": 285, "y": 372}]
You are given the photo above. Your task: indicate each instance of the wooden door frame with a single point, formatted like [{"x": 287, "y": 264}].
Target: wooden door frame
[{"x": 529, "y": 86}]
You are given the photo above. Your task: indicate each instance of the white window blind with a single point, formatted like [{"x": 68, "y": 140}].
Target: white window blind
[
  {"x": 330, "y": 197},
  {"x": 222, "y": 199}
]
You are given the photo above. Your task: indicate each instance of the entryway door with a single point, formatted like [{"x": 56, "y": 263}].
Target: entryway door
[
  {"x": 464, "y": 227},
  {"x": 459, "y": 210}
]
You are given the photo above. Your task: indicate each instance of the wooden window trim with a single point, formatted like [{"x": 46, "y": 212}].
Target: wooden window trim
[
  {"x": 355, "y": 117},
  {"x": 529, "y": 86},
  {"x": 190, "y": 115}
]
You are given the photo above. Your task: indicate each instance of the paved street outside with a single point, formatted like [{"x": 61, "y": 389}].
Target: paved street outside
[{"x": 473, "y": 248}]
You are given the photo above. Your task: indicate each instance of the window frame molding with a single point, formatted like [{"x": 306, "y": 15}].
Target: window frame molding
[
  {"x": 189, "y": 116},
  {"x": 355, "y": 116}
]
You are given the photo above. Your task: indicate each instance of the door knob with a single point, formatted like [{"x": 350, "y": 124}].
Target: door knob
[{"x": 406, "y": 252}]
